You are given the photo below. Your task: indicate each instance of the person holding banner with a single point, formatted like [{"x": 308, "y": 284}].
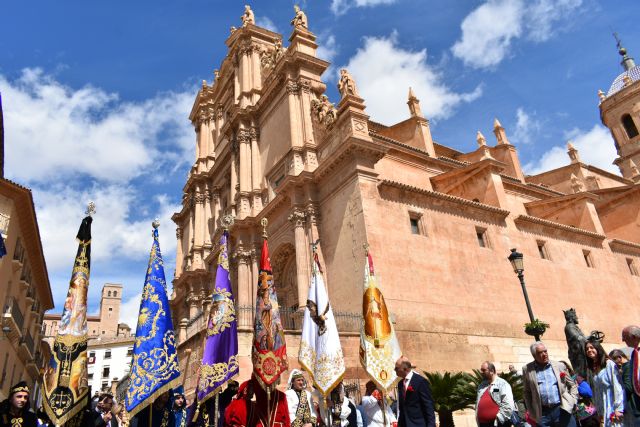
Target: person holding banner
[{"x": 373, "y": 406}]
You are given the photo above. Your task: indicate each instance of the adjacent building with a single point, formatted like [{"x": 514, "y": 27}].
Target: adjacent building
[
  {"x": 25, "y": 291},
  {"x": 439, "y": 222}
]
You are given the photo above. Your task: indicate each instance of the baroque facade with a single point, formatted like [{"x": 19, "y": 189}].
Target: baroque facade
[{"x": 439, "y": 222}]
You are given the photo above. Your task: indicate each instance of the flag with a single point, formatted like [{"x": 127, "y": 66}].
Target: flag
[
  {"x": 269, "y": 350},
  {"x": 320, "y": 351},
  {"x": 154, "y": 367},
  {"x": 220, "y": 355},
  {"x": 379, "y": 348},
  {"x": 66, "y": 389}
]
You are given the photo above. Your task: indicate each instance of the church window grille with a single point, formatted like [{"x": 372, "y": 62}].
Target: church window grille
[
  {"x": 107, "y": 354},
  {"x": 629, "y": 126},
  {"x": 105, "y": 372}
]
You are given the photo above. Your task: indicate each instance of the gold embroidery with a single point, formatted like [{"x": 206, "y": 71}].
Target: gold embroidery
[
  {"x": 222, "y": 312},
  {"x": 212, "y": 374}
]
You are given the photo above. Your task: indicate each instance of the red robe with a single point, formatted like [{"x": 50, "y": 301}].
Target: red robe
[{"x": 243, "y": 413}]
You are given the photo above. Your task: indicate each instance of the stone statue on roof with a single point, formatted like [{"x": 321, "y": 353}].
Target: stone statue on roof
[
  {"x": 300, "y": 19},
  {"x": 347, "y": 85},
  {"x": 248, "y": 17}
]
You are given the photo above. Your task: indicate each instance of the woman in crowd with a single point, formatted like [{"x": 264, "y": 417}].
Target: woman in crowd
[{"x": 608, "y": 394}]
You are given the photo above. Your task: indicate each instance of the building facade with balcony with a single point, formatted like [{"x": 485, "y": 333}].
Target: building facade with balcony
[
  {"x": 439, "y": 222},
  {"x": 24, "y": 290},
  {"x": 109, "y": 361}
]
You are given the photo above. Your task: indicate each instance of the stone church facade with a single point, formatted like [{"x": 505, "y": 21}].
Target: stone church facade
[{"x": 439, "y": 222}]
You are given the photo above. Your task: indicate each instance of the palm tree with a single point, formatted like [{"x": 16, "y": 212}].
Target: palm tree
[{"x": 450, "y": 394}]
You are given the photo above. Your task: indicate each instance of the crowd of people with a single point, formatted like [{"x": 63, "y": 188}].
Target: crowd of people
[{"x": 607, "y": 395}]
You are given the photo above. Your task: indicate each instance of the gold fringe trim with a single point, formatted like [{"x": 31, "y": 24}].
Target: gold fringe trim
[
  {"x": 149, "y": 400},
  {"x": 66, "y": 417},
  {"x": 330, "y": 389},
  {"x": 217, "y": 389}
]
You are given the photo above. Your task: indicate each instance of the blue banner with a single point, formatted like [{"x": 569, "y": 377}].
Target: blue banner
[{"x": 154, "y": 368}]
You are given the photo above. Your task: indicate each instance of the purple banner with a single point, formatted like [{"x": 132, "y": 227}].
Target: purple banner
[{"x": 220, "y": 356}]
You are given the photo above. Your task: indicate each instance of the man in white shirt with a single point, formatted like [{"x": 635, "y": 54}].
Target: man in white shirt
[
  {"x": 372, "y": 404},
  {"x": 494, "y": 402}
]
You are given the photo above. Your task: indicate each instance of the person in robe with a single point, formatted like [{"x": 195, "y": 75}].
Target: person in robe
[
  {"x": 158, "y": 414},
  {"x": 180, "y": 409},
  {"x": 252, "y": 407},
  {"x": 301, "y": 409},
  {"x": 14, "y": 411}
]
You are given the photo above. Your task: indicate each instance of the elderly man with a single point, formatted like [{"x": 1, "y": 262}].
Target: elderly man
[
  {"x": 14, "y": 411},
  {"x": 631, "y": 377},
  {"x": 415, "y": 403},
  {"x": 301, "y": 410},
  {"x": 549, "y": 392},
  {"x": 494, "y": 402}
]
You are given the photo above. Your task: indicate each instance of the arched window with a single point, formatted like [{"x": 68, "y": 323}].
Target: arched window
[
  {"x": 109, "y": 293},
  {"x": 115, "y": 293},
  {"x": 629, "y": 126}
]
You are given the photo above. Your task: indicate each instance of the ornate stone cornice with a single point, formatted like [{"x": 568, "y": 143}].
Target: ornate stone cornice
[
  {"x": 199, "y": 197},
  {"x": 242, "y": 255},
  {"x": 313, "y": 213}
]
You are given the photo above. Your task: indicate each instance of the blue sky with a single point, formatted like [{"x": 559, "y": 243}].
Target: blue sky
[{"x": 96, "y": 96}]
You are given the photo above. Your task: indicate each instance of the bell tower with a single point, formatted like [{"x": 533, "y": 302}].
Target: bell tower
[{"x": 620, "y": 112}]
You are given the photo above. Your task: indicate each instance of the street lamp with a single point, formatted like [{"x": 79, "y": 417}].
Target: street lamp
[{"x": 517, "y": 262}]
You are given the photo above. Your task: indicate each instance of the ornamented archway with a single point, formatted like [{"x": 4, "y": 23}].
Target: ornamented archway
[{"x": 285, "y": 277}]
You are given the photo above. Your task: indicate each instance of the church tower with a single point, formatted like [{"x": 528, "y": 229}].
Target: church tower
[
  {"x": 110, "y": 309},
  {"x": 620, "y": 112}
]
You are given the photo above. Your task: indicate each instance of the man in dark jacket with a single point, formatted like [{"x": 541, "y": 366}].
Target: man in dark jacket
[
  {"x": 630, "y": 375},
  {"x": 14, "y": 411},
  {"x": 101, "y": 415},
  {"x": 414, "y": 397}
]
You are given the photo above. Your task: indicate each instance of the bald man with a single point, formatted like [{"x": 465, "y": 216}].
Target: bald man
[{"x": 415, "y": 402}]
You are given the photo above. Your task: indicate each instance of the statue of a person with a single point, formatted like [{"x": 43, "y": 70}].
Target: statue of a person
[
  {"x": 248, "y": 16},
  {"x": 576, "y": 341},
  {"x": 346, "y": 85},
  {"x": 300, "y": 19}
]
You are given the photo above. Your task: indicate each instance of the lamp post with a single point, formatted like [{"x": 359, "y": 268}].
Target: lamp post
[{"x": 517, "y": 262}]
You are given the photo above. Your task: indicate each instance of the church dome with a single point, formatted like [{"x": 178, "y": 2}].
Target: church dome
[{"x": 618, "y": 83}]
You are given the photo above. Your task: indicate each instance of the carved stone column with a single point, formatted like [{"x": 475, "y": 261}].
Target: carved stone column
[
  {"x": 182, "y": 332},
  {"x": 244, "y": 146},
  {"x": 254, "y": 275},
  {"x": 179, "y": 253},
  {"x": 243, "y": 258},
  {"x": 234, "y": 170},
  {"x": 192, "y": 302},
  {"x": 305, "y": 111},
  {"x": 256, "y": 175},
  {"x": 206, "y": 229},
  {"x": 297, "y": 217},
  {"x": 293, "y": 90},
  {"x": 216, "y": 207}
]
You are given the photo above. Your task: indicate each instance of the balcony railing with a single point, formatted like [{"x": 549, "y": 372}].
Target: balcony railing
[
  {"x": 291, "y": 320},
  {"x": 13, "y": 314},
  {"x": 27, "y": 340}
]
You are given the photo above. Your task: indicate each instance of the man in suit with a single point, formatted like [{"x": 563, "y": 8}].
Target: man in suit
[
  {"x": 415, "y": 402},
  {"x": 549, "y": 392},
  {"x": 101, "y": 415}
]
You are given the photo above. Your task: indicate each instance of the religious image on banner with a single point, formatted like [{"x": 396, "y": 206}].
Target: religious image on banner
[
  {"x": 65, "y": 378},
  {"x": 220, "y": 354},
  {"x": 269, "y": 350},
  {"x": 379, "y": 348},
  {"x": 320, "y": 350},
  {"x": 154, "y": 366}
]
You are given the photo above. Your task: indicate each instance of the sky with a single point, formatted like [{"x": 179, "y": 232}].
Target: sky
[{"x": 96, "y": 97}]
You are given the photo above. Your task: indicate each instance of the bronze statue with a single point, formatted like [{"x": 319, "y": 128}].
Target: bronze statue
[{"x": 576, "y": 341}]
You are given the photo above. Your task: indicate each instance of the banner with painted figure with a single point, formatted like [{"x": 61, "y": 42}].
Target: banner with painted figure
[
  {"x": 379, "y": 348},
  {"x": 220, "y": 355},
  {"x": 154, "y": 366},
  {"x": 320, "y": 350},
  {"x": 66, "y": 389},
  {"x": 269, "y": 350}
]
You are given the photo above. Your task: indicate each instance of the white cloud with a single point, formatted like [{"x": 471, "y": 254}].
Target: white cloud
[
  {"x": 527, "y": 127},
  {"x": 129, "y": 312},
  {"x": 116, "y": 233},
  {"x": 340, "y": 7},
  {"x": 327, "y": 50},
  {"x": 488, "y": 31},
  {"x": 55, "y": 132},
  {"x": 266, "y": 22},
  {"x": 384, "y": 72},
  {"x": 595, "y": 147}
]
